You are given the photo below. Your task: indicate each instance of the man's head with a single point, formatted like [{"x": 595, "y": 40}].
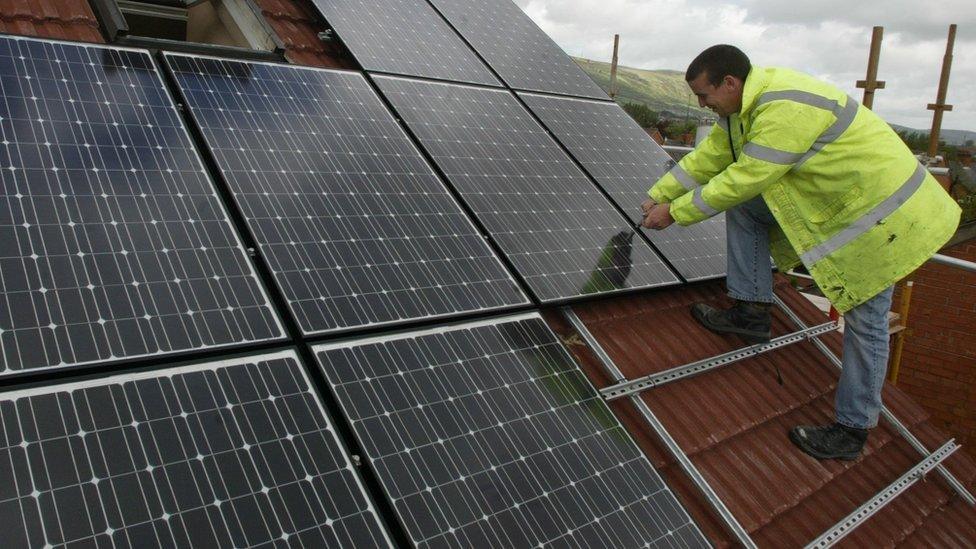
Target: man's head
[{"x": 716, "y": 77}]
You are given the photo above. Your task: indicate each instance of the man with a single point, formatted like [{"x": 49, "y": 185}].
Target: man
[{"x": 806, "y": 174}]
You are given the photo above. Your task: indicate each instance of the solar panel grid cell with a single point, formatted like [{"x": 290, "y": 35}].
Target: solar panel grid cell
[
  {"x": 561, "y": 234},
  {"x": 519, "y": 51},
  {"x": 625, "y": 161},
  {"x": 233, "y": 453},
  {"x": 113, "y": 243},
  {"x": 357, "y": 228},
  {"x": 404, "y": 37},
  {"x": 488, "y": 435}
]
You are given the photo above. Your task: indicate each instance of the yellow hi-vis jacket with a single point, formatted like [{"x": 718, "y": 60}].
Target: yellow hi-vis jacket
[{"x": 851, "y": 201}]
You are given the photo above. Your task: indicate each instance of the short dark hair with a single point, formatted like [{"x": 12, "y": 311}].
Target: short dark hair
[{"x": 717, "y": 62}]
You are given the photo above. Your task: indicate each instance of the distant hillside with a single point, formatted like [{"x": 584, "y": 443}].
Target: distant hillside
[
  {"x": 951, "y": 137},
  {"x": 661, "y": 90}
]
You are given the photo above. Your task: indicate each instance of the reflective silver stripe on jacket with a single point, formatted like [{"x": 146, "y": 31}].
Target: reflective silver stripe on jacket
[
  {"x": 844, "y": 118},
  {"x": 699, "y": 202},
  {"x": 866, "y": 221},
  {"x": 806, "y": 98},
  {"x": 688, "y": 182},
  {"x": 769, "y": 154},
  {"x": 724, "y": 124}
]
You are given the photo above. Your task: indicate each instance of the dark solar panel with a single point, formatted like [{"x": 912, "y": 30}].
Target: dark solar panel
[
  {"x": 113, "y": 242},
  {"x": 625, "y": 161},
  {"x": 355, "y": 225},
  {"x": 233, "y": 453},
  {"x": 524, "y": 56},
  {"x": 404, "y": 37},
  {"x": 561, "y": 234},
  {"x": 488, "y": 435}
]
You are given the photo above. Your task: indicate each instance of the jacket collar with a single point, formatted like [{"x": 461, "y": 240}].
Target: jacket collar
[{"x": 755, "y": 84}]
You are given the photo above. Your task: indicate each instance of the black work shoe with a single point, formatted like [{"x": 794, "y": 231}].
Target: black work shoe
[
  {"x": 830, "y": 441},
  {"x": 747, "y": 319}
]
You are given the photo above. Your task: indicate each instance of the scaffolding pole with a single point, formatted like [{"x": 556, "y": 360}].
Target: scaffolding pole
[
  {"x": 871, "y": 82},
  {"x": 613, "y": 67},
  {"x": 940, "y": 105}
]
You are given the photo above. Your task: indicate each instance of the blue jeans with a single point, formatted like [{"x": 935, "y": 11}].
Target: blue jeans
[{"x": 865, "y": 360}]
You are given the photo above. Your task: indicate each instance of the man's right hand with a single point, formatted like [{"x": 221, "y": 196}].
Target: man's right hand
[{"x": 647, "y": 206}]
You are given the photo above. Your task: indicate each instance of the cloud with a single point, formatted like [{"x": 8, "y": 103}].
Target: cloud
[{"x": 828, "y": 39}]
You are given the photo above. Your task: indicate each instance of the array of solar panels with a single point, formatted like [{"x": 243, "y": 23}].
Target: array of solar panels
[
  {"x": 479, "y": 129},
  {"x": 117, "y": 245},
  {"x": 356, "y": 227}
]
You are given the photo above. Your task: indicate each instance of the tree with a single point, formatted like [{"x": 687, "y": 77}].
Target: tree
[
  {"x": 642, "y": 114},
  {"x": 916, "y": 141}
]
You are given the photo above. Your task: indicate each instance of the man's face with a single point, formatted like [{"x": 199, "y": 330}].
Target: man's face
[{"x": 724, "y": 99}]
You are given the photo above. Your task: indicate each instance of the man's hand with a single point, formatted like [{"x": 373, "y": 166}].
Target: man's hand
[
  {"x": 647, "y": 206},
  {"x": 658, "y": 217}
]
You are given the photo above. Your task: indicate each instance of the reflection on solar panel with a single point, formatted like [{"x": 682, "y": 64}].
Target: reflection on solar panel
[
  {"x": 233, "y": 453},
  {"x": 488, "y": 435},
  {"x": 625, "y": 161},
  {"x": 559, "y": 231},
  {"x": 404, "y": 37},
  {"x": 113, "y": 243},
  {"x": 524, "y": 56},
  {"x": 355, "y": 225}
]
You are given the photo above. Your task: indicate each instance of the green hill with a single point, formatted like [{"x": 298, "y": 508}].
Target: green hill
[{"x": 661, "y": 90}]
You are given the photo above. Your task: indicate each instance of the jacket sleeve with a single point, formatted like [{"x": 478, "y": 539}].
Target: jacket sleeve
[
  {"x": 781, "y": 134},
  {"x": 709, "y": 158}
]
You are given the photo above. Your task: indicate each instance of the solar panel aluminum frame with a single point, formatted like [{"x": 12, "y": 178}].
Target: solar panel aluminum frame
[
  {"x": 222, "y": 208},
  {"x": 227, "y": 188},
  {"x": 318, "y": 349},
  {"x": 348, "y": 459}
]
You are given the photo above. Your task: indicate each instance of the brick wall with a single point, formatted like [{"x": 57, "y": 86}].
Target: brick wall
[{"x": 938, "y": 366}]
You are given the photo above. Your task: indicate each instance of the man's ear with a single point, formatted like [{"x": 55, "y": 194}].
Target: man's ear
[{"x": 732, "y": 82}]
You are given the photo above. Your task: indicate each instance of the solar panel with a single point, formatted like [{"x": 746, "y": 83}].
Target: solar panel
[
  {"x": 487, "y": 434},
  {"x": 625, "y": 161},
  {"x": 231, "y": 453},
  {"x": 404, "y": 37},
  {"x": 560, "y": 233},
  {"x": 519, "y": 51},
  {"x": 113, "y": 242},
  {"x": 357, "y": 228}
]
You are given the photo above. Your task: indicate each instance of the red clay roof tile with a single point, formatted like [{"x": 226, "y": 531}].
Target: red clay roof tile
[
  {"x": 60, "y": 19},
  {"x": 732, "y": 422}
]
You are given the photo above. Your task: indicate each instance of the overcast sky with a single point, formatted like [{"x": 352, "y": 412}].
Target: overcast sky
[{"x": 826, "y": 38}]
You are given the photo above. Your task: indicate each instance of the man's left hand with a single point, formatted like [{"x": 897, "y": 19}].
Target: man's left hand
[{"x": 659, "y": 217}]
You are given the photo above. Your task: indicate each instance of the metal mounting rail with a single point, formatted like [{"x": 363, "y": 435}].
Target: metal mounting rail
[
  {"x": 884, "y": 497},
  {"x": 885, "y": 412},
  {"x": 672, "y": 445},
  {"x": 631, "y": 387}
]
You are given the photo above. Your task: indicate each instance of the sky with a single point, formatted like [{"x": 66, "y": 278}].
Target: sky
[{"x": 829, "y": 39}]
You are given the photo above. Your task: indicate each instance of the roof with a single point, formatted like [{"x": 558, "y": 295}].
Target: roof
[
  {"x": 732, "y": 422},
  {"x": 59, "y": 19},
  {"x": 298, "y": 24}
]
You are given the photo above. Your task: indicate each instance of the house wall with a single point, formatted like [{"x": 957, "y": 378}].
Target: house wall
[{"x": 938, "y": 366}]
